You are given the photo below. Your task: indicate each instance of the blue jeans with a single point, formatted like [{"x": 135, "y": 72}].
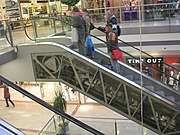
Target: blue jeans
[{"x": 114, "y": 64}]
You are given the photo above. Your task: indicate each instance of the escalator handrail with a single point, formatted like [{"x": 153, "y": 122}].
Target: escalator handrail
[
  {"x": 106, "y": 44},
  {"x": 25, "y": 26},
  {"x": 50, "y": 107},
  {"x": 8, "y": 129},
  {"x": 6, "y": 29},
  {"x": 141, "y": 51}
]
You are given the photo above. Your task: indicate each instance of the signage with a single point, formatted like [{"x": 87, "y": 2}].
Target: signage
[{"x": 147, "y": 60}]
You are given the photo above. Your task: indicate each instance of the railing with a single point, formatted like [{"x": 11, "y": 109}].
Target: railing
[
  {"x": 63, "y": 116},
  {"x": 149, "y": 12},
  {"x": 52, "y": 26},
  {"x": 6, "y": 31},
  {"x": 116, "y": 126}
]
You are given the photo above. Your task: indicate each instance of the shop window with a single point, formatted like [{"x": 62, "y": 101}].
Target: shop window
[
  {"x": 95, "y": 13},
  {"x": 129, "y": 10}
]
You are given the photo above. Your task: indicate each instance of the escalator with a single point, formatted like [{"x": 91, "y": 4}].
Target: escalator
[
  {"x": 119, "y": 92},
  {"x": 160, "y": 71},
  {"x": 131, "y": 93},
  {"x": 7, "y": 129}
]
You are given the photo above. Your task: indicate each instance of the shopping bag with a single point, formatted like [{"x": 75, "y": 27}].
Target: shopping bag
[
  {"x": 117, "y": 55},
  {"x": 89, "y": 46},
  {"x": 74, "y": 35}
]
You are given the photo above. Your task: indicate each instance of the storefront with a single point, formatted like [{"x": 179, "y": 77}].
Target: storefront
[
  {"x": 149, "y": 66},
  {"x": 158, "y": 9},
  {"x": 127, "y": 10}
]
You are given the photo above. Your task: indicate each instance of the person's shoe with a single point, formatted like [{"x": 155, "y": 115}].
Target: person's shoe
[
  {"x": 7, "y": 105},
  {"x": 13, "y": 105}
]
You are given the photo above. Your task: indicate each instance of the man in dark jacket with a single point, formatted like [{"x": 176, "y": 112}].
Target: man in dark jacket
[
  {"x": 111, "y": 19},
  {"x": 79, "y": 24}
]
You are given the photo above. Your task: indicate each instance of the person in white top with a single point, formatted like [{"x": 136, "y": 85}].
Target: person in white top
[
  {"x": 171, "y": 79},
  {"x": 178, "y": 82}
]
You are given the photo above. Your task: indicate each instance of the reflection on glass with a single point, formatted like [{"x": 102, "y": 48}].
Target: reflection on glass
[{"x": 60, "y": 126}]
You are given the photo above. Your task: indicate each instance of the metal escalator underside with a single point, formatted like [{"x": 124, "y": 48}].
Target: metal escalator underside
[{"x": 119, "y": 92}]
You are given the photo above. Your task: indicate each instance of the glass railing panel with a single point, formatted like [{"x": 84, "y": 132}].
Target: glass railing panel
[
  {"x": 59, "y": 125},
  {"x": 126, "y": 127},
  {"x": 107, "y": 126},
  {"x": 11, "y": 31},
  {"x": 130, "y": 14},
  {"x": 44, "y": 27},
  {"x": 116, "y": 126},
  {"x": 48, "y": 26},
  {"x": 4, "y": 42},
  {"x": 162, "y": 11},
  {"x": 56, "y": 125}
]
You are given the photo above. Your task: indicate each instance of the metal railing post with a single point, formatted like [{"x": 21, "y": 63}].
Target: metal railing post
[
  {"x": 115, "y": 127},
  {"x": 54, "y": 25},
  {"x": 10, "y": 34},
  {"x": 35, "y": 28}
]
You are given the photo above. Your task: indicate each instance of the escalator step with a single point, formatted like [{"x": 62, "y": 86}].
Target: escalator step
[
  {"x": 150, "y": 88},
  {"x": 138, "y": 82},
  {"x": 160, "y": 93},
  {"x": 170, "y": 98},
  {"x": 107, "y": 66},
  {"x": 130, "y": 77},
  {"x": 178, "y": 102},
  {"x": 98, "y": 60}
]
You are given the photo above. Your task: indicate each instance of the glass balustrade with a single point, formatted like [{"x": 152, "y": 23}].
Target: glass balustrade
[{"x": 115, "y": 126}]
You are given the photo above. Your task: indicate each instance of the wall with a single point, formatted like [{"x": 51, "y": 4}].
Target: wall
[{"x": 21, "y": 68}]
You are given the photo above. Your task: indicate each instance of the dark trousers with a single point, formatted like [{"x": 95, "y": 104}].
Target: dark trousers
[
  {"x": 81, "y": 48},
  {"x": 81, "y": 44},
  {"x": 7, "y": 104}
]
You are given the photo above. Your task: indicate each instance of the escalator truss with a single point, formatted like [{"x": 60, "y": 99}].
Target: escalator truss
[{"x": 108, "y": 88}]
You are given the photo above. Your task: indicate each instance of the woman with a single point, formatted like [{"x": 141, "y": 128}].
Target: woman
[
  {"x": 7, "y": 96},
  {"x": 78, "y": 24}
]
